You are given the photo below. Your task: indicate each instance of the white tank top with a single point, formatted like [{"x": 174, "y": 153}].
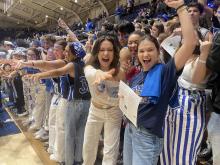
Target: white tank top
[{"x": 185, "y": 80}]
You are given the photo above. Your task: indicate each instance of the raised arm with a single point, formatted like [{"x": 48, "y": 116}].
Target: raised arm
[
  {"x": 188, "y": 33},
  {"x": 67, "y": 69},
  {"x": 41, "y": 64},
  {"x": 200, "y": 72},
  {"x": 63, "y": 25}
]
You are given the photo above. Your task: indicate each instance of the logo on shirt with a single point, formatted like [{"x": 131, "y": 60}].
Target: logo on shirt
[{"x": 84, "y": 85}]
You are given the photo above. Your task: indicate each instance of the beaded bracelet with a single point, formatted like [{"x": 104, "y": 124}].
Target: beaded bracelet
[{"x": 179, "y": 7}]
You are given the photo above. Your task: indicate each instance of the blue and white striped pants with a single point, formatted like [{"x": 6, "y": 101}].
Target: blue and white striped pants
[{"x": 184, "y": 128}]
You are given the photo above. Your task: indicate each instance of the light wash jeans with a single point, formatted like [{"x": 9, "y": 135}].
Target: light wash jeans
[
  {"x": 140, "y": 146},
  {"x": 110, "y": 119},
  {"x": 75, "y": 121},
  {"x": 214, "y": 136}
]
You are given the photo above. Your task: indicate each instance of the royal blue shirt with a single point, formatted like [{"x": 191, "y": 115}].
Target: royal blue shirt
[
  {"x": 151, "y": 116},
  {"x": 49, "y": 85},
  {"x": 64, "y": 86},
  {"x": 31, "y": 70}
]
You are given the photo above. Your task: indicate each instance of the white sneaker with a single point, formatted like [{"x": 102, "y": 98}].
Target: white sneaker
[
  {"x": 40, "y": 132},
  {"x": 33, "y": 127},
  {"x": 23, "y": 114},
  {"x": 8, "y": 120},
  {"x": 50, "y": 151},
  {"x": 46, "y": 128},
  {"x": 52, "y": 157},
  {"x": 45, "y": 137},
  {"x": 27, "y": 122}
]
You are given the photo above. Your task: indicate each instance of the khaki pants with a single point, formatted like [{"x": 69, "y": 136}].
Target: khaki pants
[
  {"x": 110, "y": 119},
  {"x": 38, "y": 111}
]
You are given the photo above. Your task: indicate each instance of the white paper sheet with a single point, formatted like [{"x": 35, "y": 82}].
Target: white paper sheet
[
  {"x": 128, "y": 102},
  {"x": 170, "y": 44}
]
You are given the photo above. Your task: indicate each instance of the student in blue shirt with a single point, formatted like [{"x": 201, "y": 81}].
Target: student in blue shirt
[{"x": 155, "y": 84}]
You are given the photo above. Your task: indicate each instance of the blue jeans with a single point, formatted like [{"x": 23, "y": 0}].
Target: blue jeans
[
  {"x": 214, "y": 136},
  {"x": 140, "y": 146},
  {"x": 75, "y": 121}
]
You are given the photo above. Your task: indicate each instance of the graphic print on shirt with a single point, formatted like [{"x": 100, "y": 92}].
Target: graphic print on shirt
[
  {"x": 108, "y": 88},
  {"x": 84, "y": 87}
]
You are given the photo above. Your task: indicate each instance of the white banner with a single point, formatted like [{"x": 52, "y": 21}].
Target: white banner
[{"x": 128, "y": 102}]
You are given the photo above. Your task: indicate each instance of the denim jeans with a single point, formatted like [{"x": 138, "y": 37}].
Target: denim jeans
[
  {"x": 214, "y": 136},
  {"x": 75, "y": 121},
  {"x": 140, "y": 146}
]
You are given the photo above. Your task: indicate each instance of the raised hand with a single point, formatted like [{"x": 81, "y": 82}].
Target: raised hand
[
  {"x": 174, "y": 3},
  {"x": 125, "y": 66},
  {"x": 205, "y": 47},
  {"x": 88, "y": 47},
  {"x": 19, "y": 65},
  {"x": 62, "y": 24}
]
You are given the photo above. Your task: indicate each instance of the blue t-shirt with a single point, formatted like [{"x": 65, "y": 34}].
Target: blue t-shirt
[
  {"x": 30, "y": 70},
  {"x": 49, "y": 85},
  {"x": 64, "y": 86},
  {"x": 151, "y": 116}
]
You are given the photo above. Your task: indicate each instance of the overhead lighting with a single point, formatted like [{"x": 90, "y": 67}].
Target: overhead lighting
[
  {"x": 61, "y": 8},
  {"x": 76, "y": 1},
  {"x": 46, "y": 16}
]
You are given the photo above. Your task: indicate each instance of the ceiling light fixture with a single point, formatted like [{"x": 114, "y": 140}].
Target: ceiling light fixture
[{"x": 61, "y": 8}]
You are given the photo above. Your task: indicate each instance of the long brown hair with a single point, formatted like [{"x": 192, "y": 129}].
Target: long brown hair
[{"x": 96, "y": 48}]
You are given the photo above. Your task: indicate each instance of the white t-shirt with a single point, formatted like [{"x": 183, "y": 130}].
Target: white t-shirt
[
  {"x": 185, "y": 80},
  {"x": 104, "y": 94}
]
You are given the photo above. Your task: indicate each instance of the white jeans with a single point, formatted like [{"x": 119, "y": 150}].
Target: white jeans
[
  {"x": 110, "y": 119},
  {"x": 38, "y": 111},
  {"x": 59, "y": 149},
  {"x": 48, "y": 98},
  {"x": 214, "y": 136},
  {"x": 52, "y": 121}
]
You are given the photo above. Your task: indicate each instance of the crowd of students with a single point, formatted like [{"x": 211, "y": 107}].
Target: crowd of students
[{"x": 69, "y": 90}]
